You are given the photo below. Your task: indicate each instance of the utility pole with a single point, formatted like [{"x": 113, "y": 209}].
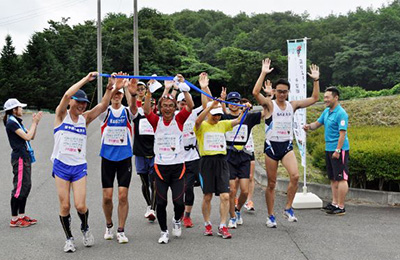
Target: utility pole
[
  {"x": 99, "y": 54},
  {"x": 135, "y": 40}
]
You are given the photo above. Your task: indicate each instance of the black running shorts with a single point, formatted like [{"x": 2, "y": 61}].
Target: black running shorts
[
  {"x": 123, "y": 170},
  {"x": 214, "y": 174},
  {"x": 337, "y": 169}
]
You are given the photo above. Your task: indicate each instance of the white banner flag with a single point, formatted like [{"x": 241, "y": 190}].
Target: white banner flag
[{"x": 297, "y": 70}]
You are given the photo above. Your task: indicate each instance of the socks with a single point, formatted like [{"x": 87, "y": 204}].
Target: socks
[
  {"x": 110, "y": 225},
  {"x": 84, "y": 220},
  {"x": 187, "y": 214},
  {"x": 120, "y": 229},
  {"x": 66, "y": 224}
]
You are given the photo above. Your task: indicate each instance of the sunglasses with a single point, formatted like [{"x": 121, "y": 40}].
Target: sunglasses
[{"x": 141, "y": 89}]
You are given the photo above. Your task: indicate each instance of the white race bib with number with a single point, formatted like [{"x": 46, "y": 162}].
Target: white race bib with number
[
  {"x": 145, "y": 127},
  {"x": 73, "y": 144},
  {"x": 250, "y": 144},
  {"x": 282, "y": 128},
  {"x": 168, "y": 144},
  {"x": 214, "y": 142},
  {"x": 241, "y": 137},
  {"x": 188, "y": 130},
  {"x": 116, "y": 135}
]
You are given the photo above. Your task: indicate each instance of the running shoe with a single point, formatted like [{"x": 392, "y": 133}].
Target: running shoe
[
  {"x": 289, "y": 214},
  {"x": 232, "y": 223},
  {"x": 164, "y": 238},
  {"x": 208, "y": 231},
  {"x": 69, "y": 246},
  {"x": 187, "y": 222},
  {"x": 176, "y": 228},
  {"x": 109, "y": 234},
  {"x": 20, "y": 222},
  {"x": 147, "y": 214},
  {"x": 32, "y": 221},
  {"x": 224, "y": 233},
  {"x": 337, "y": 211},
  {"x": 88, "y": 239},
  {"x": 121, "y": 238},
  {"x": 271, "y": 222},
  {"x": 249, "y": 206},
  {"x": 152, "y": 216},
  {"x": 239, "y": 219},
  {"x": 329, "y": 207}
]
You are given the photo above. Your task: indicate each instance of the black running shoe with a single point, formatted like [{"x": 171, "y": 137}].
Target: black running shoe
[
  {"x": 329, "y": 207},
  {"x": 337, "y": 211}
]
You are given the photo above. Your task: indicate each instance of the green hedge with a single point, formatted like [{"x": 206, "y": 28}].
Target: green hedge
[
  {"x": 352, "y": 92},
  {"x": 374, "y": 154}
]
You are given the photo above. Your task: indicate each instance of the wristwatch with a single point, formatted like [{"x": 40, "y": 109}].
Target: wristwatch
[{"x": 338, "y": 150}]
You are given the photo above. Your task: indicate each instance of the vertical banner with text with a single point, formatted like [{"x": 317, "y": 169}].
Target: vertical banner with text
[{"x": 297, "y": 70}]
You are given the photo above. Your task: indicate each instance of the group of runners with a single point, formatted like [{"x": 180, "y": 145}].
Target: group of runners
[{"x": 175, "y": 145}]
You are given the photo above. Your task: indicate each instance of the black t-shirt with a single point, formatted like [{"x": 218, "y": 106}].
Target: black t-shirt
[
  {"x": 249, "y": 122},
  {"x": 18, "y": 145},
  {"x": 142, "y": 144}
]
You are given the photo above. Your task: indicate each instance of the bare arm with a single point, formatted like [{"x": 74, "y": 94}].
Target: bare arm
[
  {"x": 204, "y": 81},
  {"x": 266, "y": 102},
  {"x": 314, "y": 74},
  {"x": 236, "y": 121},
  {"x": 147, "y": 103},
  {"x": 131, "y": 94},
  {"x": 313, "y": 126},
  {"x": 92, "y": 114},
  {"x": 61, "y": 109},
  {"x": 205, "y": 112},
  {"x": 189, "y": 101},
  {"x": 30, "y": 135}
]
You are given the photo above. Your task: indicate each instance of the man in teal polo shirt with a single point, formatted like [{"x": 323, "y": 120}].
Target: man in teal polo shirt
[{"x": 337, "y": 148}]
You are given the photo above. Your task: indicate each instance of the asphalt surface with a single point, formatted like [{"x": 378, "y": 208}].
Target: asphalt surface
[{"x": 365, "y": 232}]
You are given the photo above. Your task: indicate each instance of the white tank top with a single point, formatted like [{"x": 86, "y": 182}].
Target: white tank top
[
  {"x": 280, "y": 128},
  {"x": 70, "y": 141},
  {"x": 189, "y": 136},
  {"x": 168, "y": 143}
]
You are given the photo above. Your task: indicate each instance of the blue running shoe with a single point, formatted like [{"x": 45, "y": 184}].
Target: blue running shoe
[
  {"x": 289, "y": 214},
  {"x": 271, "y": 222}
]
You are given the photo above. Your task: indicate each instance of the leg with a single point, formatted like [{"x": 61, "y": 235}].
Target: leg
[
  {"x": 162, "y": 196},
  {"x": 178, "y": 190},
  {"x": 144, "y": 177},
  {"x": 206, "y": 206},
  {"x": 108, "y": 204},
  {"x": 123, "y": 206},
  {"x": 289, "y": 161},
  {"x": 342, "y": 191},
  {"x": 244, "y": 192},
  {"x": 251, "y": 181},
  {"x": 63, "y": 191},
  {"x": 271, "y": 167},
  {"x": 232, "y": 197},
  {"x": 335, "y": 195},
  {"x": 224, "y": 207}
]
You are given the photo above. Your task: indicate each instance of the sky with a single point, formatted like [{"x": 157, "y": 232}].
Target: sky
[{"x": 22, "y": 18}]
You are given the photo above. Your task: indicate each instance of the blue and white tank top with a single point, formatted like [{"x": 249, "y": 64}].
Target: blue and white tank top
[
  {"x": 70, "y": 141},
  {"x": 116, "y": 134},
  {"x": 279, "y": 127}
]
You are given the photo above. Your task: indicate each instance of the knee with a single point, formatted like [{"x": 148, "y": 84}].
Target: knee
[
  {"x": 224, "y": 197},
  {"x": 294, "y": 178},
  {"x": 232, "y": 193},
  {"x": 80, "y": 207},
  {"x": 65, "y": 207},
  {"x": 107, "y": 199},
  {"x": 271, "y": 184},
  {"x": 123, "y": 198},
  {"x": 207, "y": 198}
]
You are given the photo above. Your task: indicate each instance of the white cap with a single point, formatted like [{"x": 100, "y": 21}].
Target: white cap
[
  {"x": 181, "y": 97},
  {"x": 120, "y": 90},
  {"x": 13, "y": 103},
  {"x": 215, "y": 111}
]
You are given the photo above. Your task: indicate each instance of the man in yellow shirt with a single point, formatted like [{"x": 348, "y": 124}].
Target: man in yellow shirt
[{"x": 214, "y": 171}]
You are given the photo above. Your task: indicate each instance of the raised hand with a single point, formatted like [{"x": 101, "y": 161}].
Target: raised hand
[
  {"x": 180, "y": 78},
  {"x": 314, "y": 72},
  {"x": 36, "y": 117},
  {"x": 92, "y": 76},
  {"x": 168, "y": 84},
  {"x": 223, "y": 93},
  {"x": 111, "y": 81},
  {"x": 132, "y": 86},
  {"x": 119, "y": 83},
  {"x": 266, "y": 66},
  {"x": 203, "y": 80},
  {"x": 267, "y": 88}
]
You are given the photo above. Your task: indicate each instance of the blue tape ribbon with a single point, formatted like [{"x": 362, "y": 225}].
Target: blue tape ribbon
[
  {"x": 192, "y": 86},
  {"x": 237, "y": 132}
]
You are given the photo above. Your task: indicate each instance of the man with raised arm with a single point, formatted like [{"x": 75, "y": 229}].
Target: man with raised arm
[{"x": 279, "y": 136}]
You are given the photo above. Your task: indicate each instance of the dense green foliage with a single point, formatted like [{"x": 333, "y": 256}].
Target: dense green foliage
[
  {"x": 357, "y": 49},
  {"x": 374, "y": 155}
]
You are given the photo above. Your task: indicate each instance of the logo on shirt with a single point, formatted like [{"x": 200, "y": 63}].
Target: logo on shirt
[{"x": 342, "y": 123}]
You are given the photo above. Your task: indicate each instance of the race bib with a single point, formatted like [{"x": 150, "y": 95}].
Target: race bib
[
  {"x": 145, "y": 127},
  {"x": 241, "y": 137},
  {"x": 214, "y": 142},
  {"x": 116, "y": 135},
  {"x": 188, "y": 130},
  {"x": 250, "y": 144},
  {"x": 282, "y": 129},
  {"x": 73, "y": 144},
  {"x": 168, "y": 144}
]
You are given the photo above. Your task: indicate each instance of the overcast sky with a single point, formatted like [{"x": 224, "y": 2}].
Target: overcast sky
[{"x": 21, "y": 18}]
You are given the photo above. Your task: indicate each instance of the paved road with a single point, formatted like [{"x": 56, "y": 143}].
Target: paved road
[{"x": 366, "y": 232}]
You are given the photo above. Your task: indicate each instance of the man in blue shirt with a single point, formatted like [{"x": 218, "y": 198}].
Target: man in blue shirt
[{"x": 337, "y": 148}]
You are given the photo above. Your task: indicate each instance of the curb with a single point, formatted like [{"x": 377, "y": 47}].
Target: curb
[{"x": 324, "y": 191}]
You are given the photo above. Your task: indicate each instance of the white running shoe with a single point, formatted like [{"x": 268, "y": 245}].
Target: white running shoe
[
  {"x": 176, "y": 228},
  {"x": 232, "y": 223},
  {"x": 88, "y": 239},
  {"x": 69, "y": 246},
  {"x": 271, "y": 222},
  {"x": 164, "y": 238},
  {"x": 152, "y": 216},
  {"x": 289, "y": 214},
  {"x": 109, "y": 234},
  {"x": 239, "y": 219},
  {"x": 122, "y": 239},
  {"x": 147, "y": 214}
]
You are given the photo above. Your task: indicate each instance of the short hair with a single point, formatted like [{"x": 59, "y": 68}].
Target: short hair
[
  {"x": 334, "y": 90},
  {"x": 281, "y": 81},
  {"x": 244, "y": 100}
]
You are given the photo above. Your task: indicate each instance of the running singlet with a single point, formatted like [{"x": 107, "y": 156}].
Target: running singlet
[
  {"x": 189, "y": 136},
  {"x": 168, "y": 143},
  {"x": 279, "y": 128},
  {"x": 143, "y": 143},
  {"x": 116, "y": 134},
  {"x": 249, "y": 147},
  {"x": 70, "y": 141}
]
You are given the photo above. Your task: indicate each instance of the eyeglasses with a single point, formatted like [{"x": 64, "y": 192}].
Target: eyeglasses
[
  {"x": 141, "y": 89},
  {"x": 282, "y": 91}
]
